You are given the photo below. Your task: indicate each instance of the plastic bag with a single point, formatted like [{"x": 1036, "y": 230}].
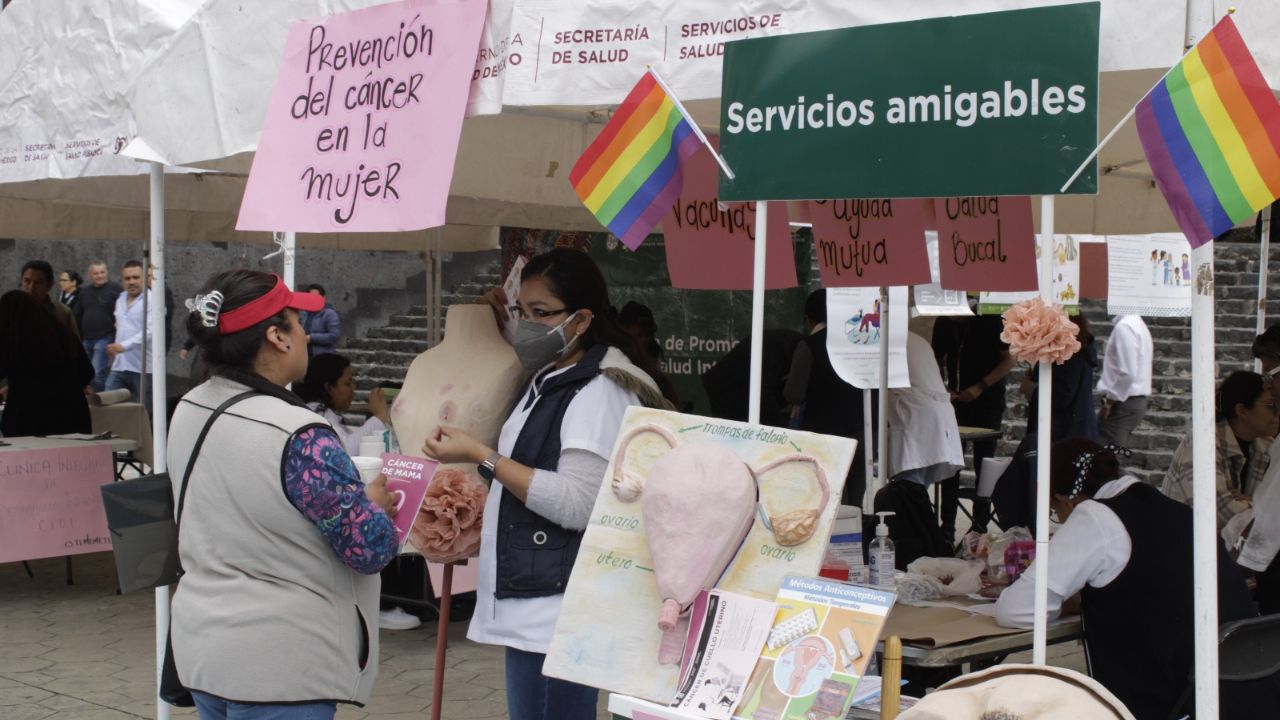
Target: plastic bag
[{"x": 955, "y": 576}]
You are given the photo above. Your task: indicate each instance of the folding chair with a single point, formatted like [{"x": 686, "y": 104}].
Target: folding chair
[{"x": 1248, "y": 650}]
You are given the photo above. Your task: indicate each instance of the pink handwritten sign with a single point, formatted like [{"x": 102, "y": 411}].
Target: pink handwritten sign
[
  {"x": 465, "y": 577},
  {"x": 51, "y": 502},
  {"x": 986, "y": 243},
  {"x": 362, "y": 130},
  {"x": 711, "y": 246},
  {"x": 870, "y": 242}
]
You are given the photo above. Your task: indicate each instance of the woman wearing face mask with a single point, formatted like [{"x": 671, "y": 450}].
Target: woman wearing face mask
[{"x": 548, "y": 467}]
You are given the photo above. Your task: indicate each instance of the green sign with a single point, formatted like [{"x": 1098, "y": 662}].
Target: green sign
[{"x": 999, "y": 103}]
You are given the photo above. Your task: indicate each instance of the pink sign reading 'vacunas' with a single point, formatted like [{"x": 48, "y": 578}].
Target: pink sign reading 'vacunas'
[{"x": 362, "y": 130}]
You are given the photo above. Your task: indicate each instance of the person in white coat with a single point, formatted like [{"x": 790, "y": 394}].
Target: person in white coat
[{"x": 924, "y": 437}]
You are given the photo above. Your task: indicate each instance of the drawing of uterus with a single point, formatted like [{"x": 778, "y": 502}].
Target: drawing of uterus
[{"x": 803, "y": 666}]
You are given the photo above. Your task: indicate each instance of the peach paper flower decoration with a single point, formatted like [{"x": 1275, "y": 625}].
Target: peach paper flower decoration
[
  {"x": 447, "y": 528},
  {"x": 1039, "y": 333}
]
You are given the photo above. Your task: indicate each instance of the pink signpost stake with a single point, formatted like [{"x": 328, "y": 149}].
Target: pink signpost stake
[
  {"x": 711, "y": 246},
  {"x": 362, "y": 130},
  {"x": 986, "y": 243}
]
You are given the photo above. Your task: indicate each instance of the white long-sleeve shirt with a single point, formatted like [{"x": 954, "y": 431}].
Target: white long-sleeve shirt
[
  {"x": 1126, "y": 366},
  {"x": 1092, "y": 547},
  {"x": 131, "y": 323}
]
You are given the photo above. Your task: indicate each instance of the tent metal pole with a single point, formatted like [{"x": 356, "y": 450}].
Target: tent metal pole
[
  {"x": 159, "y": 393},
  {"x": 757, "y": 313},
  {"x": 882, "y": 445},
  {"x": 290, "y": 264},
  {"x": 1043, "y": 442},
  {"x": 868, "y": 457}
]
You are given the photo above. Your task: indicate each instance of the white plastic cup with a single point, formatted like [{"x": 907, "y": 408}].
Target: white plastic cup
[
  {"x": 372, "y": 446},
  {"x": 368, "y": 467},
  {"x": 992, "y": 469}
]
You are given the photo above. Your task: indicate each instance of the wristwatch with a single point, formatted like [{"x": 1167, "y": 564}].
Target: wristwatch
[{"x": 489, "y": 468}]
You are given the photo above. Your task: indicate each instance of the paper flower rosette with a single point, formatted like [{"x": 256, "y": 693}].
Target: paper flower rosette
[
  {"x": 447, "y": 528},
  {"x": 1039, "y": 333}
]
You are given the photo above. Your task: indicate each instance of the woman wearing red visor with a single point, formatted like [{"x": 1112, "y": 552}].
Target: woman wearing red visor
[{"x": 281, "y": 543}]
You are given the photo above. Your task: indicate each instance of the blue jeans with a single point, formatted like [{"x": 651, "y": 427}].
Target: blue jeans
[
  {"x": 97, "y": 352},
  {"x": 534, "y": 696},
  {"x": 129, "y": 380},
  {"x": 212, "y": 707}
]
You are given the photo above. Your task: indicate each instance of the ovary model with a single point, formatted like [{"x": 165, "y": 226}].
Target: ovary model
[{"x": 698, "y": 502}]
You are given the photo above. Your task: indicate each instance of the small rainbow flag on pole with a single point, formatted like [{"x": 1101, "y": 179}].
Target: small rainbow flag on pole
[
  {"x": 632, "y": 173},
  {"x": 1211, "y": 133}
]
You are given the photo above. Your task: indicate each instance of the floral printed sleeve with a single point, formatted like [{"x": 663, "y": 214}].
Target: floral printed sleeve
[{"x": 321, "y": 481}]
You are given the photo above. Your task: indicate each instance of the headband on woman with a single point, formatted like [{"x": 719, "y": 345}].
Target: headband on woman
[
  {"x": 253, "y": 312},
  {"x": 1084, "y": 463}
]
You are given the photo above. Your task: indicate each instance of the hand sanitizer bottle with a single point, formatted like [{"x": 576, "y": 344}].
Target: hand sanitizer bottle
[{"x": 881, "y": 555}]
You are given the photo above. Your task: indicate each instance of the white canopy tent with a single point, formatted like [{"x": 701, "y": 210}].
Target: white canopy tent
[{"x": 198, "y": 80}]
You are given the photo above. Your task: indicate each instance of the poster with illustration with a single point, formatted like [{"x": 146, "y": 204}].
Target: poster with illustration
[
  {"x": 1066, "y": 280},
  {"x": 689, "y": 503},
  {"x": 931, "y": 298},
  {"x": 854, "y": 333},
  {"x": 822, "y": 639},
  {"x": 1152, "y": 275}
]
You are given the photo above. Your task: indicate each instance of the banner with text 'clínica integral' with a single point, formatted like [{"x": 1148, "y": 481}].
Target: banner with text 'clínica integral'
[
  {"x": 362, "y": 129},
  {"x": 1000, "y": 103}
]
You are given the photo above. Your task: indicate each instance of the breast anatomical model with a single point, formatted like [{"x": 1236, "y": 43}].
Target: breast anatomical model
[{"x": 468, "y": 381}]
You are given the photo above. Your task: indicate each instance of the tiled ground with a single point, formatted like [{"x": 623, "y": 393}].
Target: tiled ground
[{"x": 82, "y": 652}]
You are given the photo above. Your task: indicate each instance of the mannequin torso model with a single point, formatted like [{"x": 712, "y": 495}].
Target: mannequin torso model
[{"x": 468, "y": 381}]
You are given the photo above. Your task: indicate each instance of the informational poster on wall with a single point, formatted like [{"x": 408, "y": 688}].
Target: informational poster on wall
[
  {"x": 870, "y": 242},
  {"x": 1066, "y": 280},
  {"x": 711, "y": 245},
  {"x": 986, "y": 243},
  {"x": 931, "y": 298},
  {"x": 51, "y": 502},
  {"x": 689, "y": 503},
  {"x": 1151, "y": 275},
  {"x": 854, "y": 334},
  {"x": 362, "y": 129}
]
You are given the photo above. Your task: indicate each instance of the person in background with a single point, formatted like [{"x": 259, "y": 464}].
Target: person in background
[
  {"x": 727, "y": 383},
  {"x": 328, "y": 390},
  {"x": 924, "y": 448},
  {"x": 281, "y": 542},
  {"x": 37, "y": 280},
  {"x": 98, "y": 320},
  {"x": 821, "y": 401},
  {"x": 129, "y": 369},
  {"x": 548, "y": 467},
  {"x": 974, "y": 362},
  {"x": 1246, "y": 426},
  {"x": 1071, "y": 410},
  {"x": 69, "y": 292},
  {"x": 46, "y": 369},
  {"x": 638, "y": 322},
  {"x": 323, "y": 327},
  {"x": 1125, "y": 385},
  {"x": 1124, "y": 549}
]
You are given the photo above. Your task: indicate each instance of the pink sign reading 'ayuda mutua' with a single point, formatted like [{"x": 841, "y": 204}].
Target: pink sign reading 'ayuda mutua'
[{"x": 362, "y": 130}]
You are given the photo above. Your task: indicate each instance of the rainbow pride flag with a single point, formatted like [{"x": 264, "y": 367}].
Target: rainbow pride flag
[
  {"x": 1211, "y": 133},
  {"x": 631, "y": 175}
]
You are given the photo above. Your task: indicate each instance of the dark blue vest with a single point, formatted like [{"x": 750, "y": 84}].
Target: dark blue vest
[{"x": 535, "y": 555}]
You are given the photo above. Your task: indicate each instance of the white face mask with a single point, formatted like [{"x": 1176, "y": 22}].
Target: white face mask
[{"x": 538, "y": 346}]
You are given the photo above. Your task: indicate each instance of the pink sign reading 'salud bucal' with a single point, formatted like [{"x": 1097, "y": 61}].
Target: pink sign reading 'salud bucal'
[
  {"x": 711, "y": 246},
  {"x": 986, "y": 243},
  {"x": 362, "y": 130},
  {"x": 870, "y": 242}
]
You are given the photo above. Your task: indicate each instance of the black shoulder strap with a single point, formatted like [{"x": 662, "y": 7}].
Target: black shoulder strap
[{"x": 195, "y": 451}]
